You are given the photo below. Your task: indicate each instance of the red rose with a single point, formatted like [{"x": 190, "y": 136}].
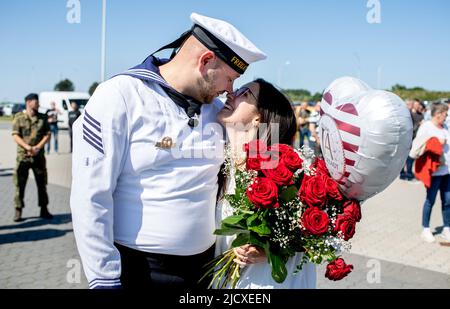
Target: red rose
[
  {"x": 332, "y": 189},
  {"x": 320, "y": 167},
  {"x": 337, "y": 269},
  {"x": 352, "y": 208},
  {"x": 315, "y": 221},
  {"x": 313, "y": 191},
  {"x": 346, "y": 224},
  {"x": 281, "y": 175},
  {"x": 280, "y": 149},
  {"x": 255, "y": 148},
  {"x": 255, "y": 163},
  {"x": 288, "y": 156},
  {"x": 270, "y": 160},
  {"x": 292, "y": 161},
  {"x": 263, "y": 192}
]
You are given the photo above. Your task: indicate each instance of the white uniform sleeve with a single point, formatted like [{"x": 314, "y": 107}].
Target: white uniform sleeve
[{"x": 100, "y": 138}]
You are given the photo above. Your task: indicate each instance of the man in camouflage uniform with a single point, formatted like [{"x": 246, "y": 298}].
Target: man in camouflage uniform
[{"x": 30, "y": 131}]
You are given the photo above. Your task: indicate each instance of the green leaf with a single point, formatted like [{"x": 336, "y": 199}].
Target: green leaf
[
  {"x": 248, "y": 212},
  {"x": 288, "y": 194},
  {"x": 251, "y": 221},
  {"x": 227, "y": 231},
  {"x": 329, "y": 257},
  {"x": 257, "y": 240},
  {"x": 279, "y": 271},
  {"x": 241, "y": 239},
  {"x": 232, "y": 220},
  {"x": 261, "y": 229}
]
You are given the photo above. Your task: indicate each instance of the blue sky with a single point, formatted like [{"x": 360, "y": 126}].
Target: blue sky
[{"x": 309, "y": 43}]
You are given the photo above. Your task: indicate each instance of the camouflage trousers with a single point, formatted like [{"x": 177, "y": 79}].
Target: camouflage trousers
[{"x": 38, "y": 165}]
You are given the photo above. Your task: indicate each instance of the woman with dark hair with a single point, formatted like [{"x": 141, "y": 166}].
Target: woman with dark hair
[{"x": 257, "y": 111}]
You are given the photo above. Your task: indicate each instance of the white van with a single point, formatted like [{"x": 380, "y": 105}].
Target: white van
[{"x": 62, "y": 101}]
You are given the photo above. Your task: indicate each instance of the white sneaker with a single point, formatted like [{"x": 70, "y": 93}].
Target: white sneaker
[
  {"x": 445, "y": 235},
  {"x": 427, "y": 236}
]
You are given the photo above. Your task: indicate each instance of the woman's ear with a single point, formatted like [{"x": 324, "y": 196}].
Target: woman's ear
[{"x": 256, "y": 121}]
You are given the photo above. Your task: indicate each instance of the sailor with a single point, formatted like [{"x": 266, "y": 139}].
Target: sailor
[{"x": 144, "y": 180}]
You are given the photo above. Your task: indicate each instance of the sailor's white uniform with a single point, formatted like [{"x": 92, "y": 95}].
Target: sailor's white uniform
[{"x": 127, "y": 190}]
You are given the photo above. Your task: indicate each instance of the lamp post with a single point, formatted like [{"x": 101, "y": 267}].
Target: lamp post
[{"x": 103, "y": 60}]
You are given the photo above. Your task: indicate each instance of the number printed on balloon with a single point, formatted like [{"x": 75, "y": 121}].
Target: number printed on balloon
[{"x": 332, "y": 145}]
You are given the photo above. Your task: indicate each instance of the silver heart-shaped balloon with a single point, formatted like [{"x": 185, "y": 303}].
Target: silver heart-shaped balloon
[{"x": 365, "y": 136}]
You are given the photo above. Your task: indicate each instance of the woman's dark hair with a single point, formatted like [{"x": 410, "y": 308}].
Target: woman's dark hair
[{"x": 274, "y": 107}]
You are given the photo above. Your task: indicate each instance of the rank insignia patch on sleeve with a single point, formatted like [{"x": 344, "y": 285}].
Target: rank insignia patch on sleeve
[{"x": 92, "y": 132}]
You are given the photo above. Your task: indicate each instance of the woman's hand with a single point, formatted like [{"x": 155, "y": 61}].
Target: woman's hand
[{"x": 249, "y": 254}]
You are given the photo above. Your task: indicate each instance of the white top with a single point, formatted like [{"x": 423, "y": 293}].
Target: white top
[
  {"x": 430, "y": 129},
  {"x": 127, "y": 190}
]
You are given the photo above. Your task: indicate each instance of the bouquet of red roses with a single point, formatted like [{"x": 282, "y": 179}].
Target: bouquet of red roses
[{"x": 285, "y": 202}]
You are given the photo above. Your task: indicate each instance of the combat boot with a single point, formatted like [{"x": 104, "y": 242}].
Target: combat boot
[
  {"x": 18, "y": 215},
  {"x": 45, "y": 214}
]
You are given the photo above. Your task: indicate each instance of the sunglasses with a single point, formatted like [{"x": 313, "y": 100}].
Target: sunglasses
[{"x": 242, "y": 91}]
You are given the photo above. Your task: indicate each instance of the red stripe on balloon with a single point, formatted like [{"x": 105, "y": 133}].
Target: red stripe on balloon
[
  {"x": 346, "y": 174},
  {"x": 348, "y": 108},
  {"x": 328, "y": 98},
  {"x": 343, "y": 126},
  {"x": 321, "y": 112},
  {"x": 350, "y": 147},
  {"x": 349, "y": 162},
  {"x": 341, "y": 182}
]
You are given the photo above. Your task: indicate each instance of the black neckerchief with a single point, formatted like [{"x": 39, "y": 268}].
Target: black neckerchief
[{"x": 149, "y": 71}]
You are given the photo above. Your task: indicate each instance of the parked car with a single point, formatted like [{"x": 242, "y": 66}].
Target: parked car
[{"x": 1, "y": 111}]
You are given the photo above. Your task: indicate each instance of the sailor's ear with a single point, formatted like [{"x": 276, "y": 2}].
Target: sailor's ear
[{"x": 207, "y": 60}]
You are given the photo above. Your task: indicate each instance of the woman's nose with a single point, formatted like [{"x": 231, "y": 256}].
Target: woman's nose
[{"x": 230, "y": 96}]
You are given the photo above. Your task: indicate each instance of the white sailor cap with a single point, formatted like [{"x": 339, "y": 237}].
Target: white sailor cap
[{"x": 228, "y": 43}]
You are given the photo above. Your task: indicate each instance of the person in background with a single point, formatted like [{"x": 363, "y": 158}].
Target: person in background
[
  {"x": 440, "y": 179},
  {"x": 409, "y": 104},
  {"x": 447, "y": 120},
  {"x": 30, "y": 131},
  {"x": 73, "y": 115},
  {"x": 52, "y": 115},
  {"x": 314, "y": 119},
  {"x": 302, "y": 121},
  {"x": 417, "y": 117}
]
